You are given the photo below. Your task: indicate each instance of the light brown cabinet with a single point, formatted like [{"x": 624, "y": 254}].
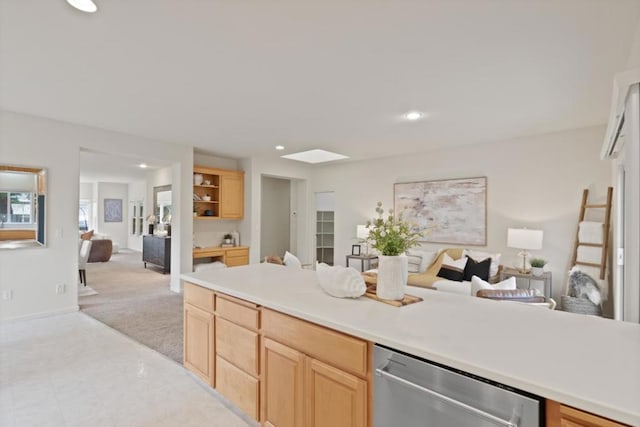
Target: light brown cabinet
[
  {"x": 282, "y": 385},
  {"x": 238, "y": 353},
  {"x": 199, "y": 332},
  {"x": 232, "y": 257},
  {"x": 218, "y": 193},
  {"x": 300, "y": 389},
  {"x": 559, "y": 415},
  {"x": 334, "y": 398}
]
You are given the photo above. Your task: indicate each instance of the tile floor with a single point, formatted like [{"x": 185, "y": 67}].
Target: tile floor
[{"x": 71, "y": 370}]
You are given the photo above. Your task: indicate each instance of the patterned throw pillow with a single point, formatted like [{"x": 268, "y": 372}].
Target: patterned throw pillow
[
  {"x": 452, "y": 269},
  {"x": 420, "y": 260},
  {"x": 477, "y": 268}
]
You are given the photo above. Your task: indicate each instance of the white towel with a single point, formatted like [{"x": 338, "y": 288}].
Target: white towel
[
  {"x": 341, "y": 282},
  {"x": 589, "y": 254},
  {"x": 591, "y": 232}
]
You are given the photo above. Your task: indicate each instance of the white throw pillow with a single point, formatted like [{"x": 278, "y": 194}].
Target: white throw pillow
[
  {"x": 420, "y": 260},
  {"x": 478, "y": 284},
  {"x": 479, "y": 256},
  {"x": 290, "y": 260},
  {"x": 341, "y": 282}
]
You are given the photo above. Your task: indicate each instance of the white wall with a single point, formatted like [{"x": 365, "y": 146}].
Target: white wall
[
  {"x": 32, "y": 274},
  {"x": 275, "y": 214},
  {"x": 118, "y": 231},
  {"x": 535, "y": 182},
  {"x": 634, "y": 55}
]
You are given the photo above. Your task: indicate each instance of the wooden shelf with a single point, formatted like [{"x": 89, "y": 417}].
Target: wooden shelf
[
  {"x": 206, "y": 201},
  {"x": 206, "y": 186},
  {"x": 205, "y": 217}
]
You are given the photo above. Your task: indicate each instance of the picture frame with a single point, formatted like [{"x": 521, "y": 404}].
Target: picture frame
[
  {"x": 355, "y": 249},
  {"x": 452, "y": 211},
  {"x": 112, "y": 210}
]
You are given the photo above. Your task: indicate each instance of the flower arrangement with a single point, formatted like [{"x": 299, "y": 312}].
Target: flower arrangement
[{"x": 391, "y": 236}]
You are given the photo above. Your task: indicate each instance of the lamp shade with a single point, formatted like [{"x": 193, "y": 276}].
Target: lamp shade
[
  {"x": 362, "y": 232},
  {"x": 151, "y": 218},
  {"x": 523, "y": 238}
]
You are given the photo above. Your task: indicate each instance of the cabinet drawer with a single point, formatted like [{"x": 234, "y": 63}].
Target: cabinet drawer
[
  {"x": 238, "y": 345},
  {"x": 198, "y": 296},
  {"x": 238, "y": 311},
  {"x": 239, "y": 387},
  {"x": 235, "y": 261},
  {"x": 335, "y": 348}
]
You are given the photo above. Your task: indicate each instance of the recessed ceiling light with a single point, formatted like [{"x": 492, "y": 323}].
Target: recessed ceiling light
[
  {"x": 315, "y": 156},
  {"x": 83, "y": 5},
  {"x": 143, "y": 165},
  {"x": 279, "y": 147},
  {"x": 413, "y": 115}
]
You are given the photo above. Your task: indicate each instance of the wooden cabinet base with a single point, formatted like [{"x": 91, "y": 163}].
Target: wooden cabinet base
[
  {"x": 239, "y": 387},
  {"x": 559, "y": 415},
  {"x": 199, "y": 342}
]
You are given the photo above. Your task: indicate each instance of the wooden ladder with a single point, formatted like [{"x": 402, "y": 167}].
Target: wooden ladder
[{"x": 605, "y": 237}]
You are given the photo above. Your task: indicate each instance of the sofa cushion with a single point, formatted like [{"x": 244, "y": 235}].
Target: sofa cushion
[
  {"x": 452, "y": 269},
  {"x": 479, "y": 284},
  {"x": 477, "y": 268}
]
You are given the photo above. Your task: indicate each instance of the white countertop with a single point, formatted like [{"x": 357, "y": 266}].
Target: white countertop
[{"x": 583, "y": 361}]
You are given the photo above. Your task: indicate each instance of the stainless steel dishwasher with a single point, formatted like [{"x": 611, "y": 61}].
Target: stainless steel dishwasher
[{"x": 409, "y": 391}]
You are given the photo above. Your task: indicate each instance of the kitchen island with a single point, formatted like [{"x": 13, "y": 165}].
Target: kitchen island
[{"x": 588, "y": 363}]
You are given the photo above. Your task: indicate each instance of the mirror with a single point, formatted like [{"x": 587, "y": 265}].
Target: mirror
[
  {"x": 22, "y": 207},
  {"x": 162, "y": 209}
]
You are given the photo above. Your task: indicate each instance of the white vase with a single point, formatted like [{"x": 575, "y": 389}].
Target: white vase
[
  {"x": 392, "y": 276},
  {"x": 537, "y": 271},
  {"x": 198, "y": 178}
]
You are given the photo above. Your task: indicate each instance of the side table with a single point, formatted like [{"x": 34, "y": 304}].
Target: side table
[
  {"x": 368, "y": 258},
  {"x": 545, "y": 277}
]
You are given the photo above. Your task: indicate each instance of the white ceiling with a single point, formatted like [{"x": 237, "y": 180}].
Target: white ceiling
[
  {"x": 237, "y": 77},
  {"x": 102, "y": 167}
]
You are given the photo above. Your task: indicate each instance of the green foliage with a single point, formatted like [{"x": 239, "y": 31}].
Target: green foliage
[
  {"x": 228, "y": 236},
  {"x": 537, "y": 262},
  {"x": 391, "y": 236}
]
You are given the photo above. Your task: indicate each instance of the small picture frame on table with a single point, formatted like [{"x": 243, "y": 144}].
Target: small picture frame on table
[{"x": 355, "y": 249}]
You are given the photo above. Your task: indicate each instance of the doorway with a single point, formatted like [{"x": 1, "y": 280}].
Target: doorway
[
  {"x": 325, "y": 217},
  {"x": 275, "y": 227}
]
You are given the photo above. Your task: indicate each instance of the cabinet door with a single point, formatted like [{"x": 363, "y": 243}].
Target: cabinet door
[
  {"x": 282, "y": 385},
  {"x": 198, "y": 342},
  {"x": 559, "y": 415},
  {"x": 232, "y": 195},
  {"x": 334, "y": 397}
]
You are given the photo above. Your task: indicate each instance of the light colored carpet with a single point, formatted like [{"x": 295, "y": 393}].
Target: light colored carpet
[
  {"x": 136, "y": 301},
  {"x": 85, "y": 291}
]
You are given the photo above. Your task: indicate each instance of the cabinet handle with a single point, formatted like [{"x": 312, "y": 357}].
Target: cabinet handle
[{"x": 507, "y": 423}]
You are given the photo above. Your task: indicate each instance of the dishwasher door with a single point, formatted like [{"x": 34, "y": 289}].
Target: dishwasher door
[{"x": 412, "y": 392}]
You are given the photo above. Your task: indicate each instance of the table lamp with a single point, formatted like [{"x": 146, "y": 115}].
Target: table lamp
[
  {"x": 362, "y": 233},
  {"x": 523, "y": 238}
]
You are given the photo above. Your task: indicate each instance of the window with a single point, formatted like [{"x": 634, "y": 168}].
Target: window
[
  {"x": 84, "y": 215},
  {"x": 16, "y": 207}
]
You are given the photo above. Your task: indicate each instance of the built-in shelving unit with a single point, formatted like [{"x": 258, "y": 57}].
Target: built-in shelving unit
[
  {"x": 218, "y": 193},
  {"x": 324, "y": 236}
]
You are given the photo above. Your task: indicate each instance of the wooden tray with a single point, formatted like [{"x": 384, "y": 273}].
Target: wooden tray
[{"x": 408, "y": 299}]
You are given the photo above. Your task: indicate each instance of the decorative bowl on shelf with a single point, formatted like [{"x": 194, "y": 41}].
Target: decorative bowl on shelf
[
  {"x": 206, "y": 198},
  {"x": 208, "y": 212}
]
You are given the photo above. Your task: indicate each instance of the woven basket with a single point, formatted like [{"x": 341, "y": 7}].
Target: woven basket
[{"x": 580, "y": 306}]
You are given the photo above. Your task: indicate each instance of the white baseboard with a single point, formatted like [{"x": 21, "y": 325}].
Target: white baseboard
[{"x": 72, "y": 309}]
